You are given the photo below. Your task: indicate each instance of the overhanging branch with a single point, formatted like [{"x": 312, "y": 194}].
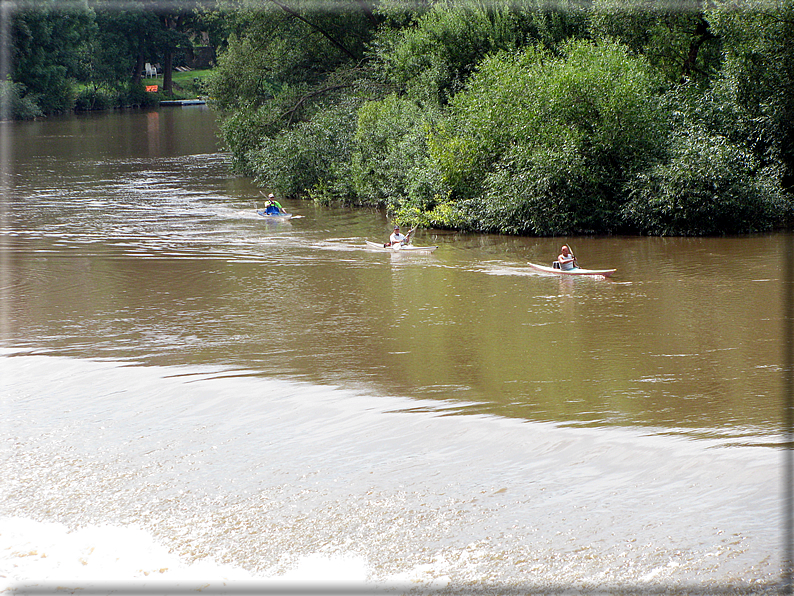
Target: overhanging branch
[{"x": 314, "y": 26}]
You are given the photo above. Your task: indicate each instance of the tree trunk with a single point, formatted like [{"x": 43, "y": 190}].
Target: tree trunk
[
  {"x": 367, "y": 9},
  {"x": 702, "y": 35},
  {"x": 137, "y": 72},
  {"x": 168, "y": 68}
]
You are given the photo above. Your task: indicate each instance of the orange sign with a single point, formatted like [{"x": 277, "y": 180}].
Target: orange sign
[{"x": 151, "y": 88}]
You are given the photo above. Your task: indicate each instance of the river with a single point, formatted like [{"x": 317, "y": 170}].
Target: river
[{"x": 197, "y": 398}]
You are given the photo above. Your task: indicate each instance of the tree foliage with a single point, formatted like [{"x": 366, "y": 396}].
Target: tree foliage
[
  {"x": 545, "y": 145},
  {"x": 674, "y": 36},
  {"x": 389, "y": 152},
  {"x": 69, "y": 50},
  {"x": 709, "y": 185},
  {"x": 758, "y": 76},
  {"x": 286, "y": 45},
  {"x": 431, "y": 59},
  {"x": 49, "y": 46},
  {"x": 517, "y": 117}
]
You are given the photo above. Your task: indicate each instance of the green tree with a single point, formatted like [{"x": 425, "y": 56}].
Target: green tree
[
  {"x": 133, "y": 33},
  {"x": 545, "y": 145},
  {"x": 675, "y": 36},
  {"x": 758, "y": 76},
  {"x": 431, "y": 59},
  {"x": 709, "y": 186},
  {"x": 121, "y": 43},
  {"x": 389, "y": 144},
  {"x": 176, "y": 21},
  {"x": 727, "y": 165},
  {"x": 279, "y": 44},
  {"x": 50, "y": 41},
  {"x": 286, "y": 68},
  {"x": 122, "y": 40},
  {"x": 310, "y": 157},
  {"x": 519, "y": 116}
]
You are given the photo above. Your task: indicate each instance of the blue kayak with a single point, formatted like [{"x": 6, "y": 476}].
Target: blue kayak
[{"x": 275, "y": 216}]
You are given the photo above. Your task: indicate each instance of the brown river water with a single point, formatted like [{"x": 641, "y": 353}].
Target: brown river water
[{"x": 278, "y": 399}]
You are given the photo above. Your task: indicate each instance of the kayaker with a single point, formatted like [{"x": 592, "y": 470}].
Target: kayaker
[
  {"x": 566, "y": 259},
  {"x": 272, "y": 206},
  {"x": 396, "y": 237}
]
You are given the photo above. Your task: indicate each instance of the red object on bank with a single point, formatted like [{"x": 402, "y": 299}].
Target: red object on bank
[{"x": 151, "y": 88}]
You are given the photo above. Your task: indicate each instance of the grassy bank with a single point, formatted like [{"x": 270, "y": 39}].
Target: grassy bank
[{"x": 186, "y": 85}]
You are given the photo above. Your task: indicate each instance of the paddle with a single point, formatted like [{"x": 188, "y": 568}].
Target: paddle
[
  {"x": 575, "y": 264},
  {"x": 407, "y": 240}
]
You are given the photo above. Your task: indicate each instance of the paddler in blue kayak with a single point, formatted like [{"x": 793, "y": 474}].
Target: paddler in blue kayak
[
  {"x": 272, "y": 206},
  {"x": 566, "y": 259}
]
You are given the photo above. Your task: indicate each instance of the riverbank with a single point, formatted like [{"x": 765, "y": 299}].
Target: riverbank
[{"x": 189, "y": 88}]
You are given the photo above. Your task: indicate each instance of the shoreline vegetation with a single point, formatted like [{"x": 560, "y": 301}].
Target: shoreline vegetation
[
  {"x": 511, "y": 117},
  {"x": 187, "y": 85}
]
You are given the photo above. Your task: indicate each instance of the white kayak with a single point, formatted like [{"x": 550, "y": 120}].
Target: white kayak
[
  {"x": 574, "y": 271},
  {"x": 275, "y": 216},
  {"x": 401, "y": 247}
]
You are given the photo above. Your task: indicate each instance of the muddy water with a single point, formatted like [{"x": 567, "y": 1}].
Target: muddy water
[{"x": 261, "y": 393}]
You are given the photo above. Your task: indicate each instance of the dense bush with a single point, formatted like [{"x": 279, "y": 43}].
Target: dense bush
[
  {"x": 545, "y": 145},
  {"x": 389, "y": 150},
  {"x": 135, "y": 94},
  {"x": 96, "y": 98},
  {"x": 709, "y": 186},
  {"x": 248, "y": 127},
  {"x": 722, "y": 173},
  {"x": 521, "y": 117},
  {"x": 310, "y": 157},
  {"x": 16, "y": 104}
]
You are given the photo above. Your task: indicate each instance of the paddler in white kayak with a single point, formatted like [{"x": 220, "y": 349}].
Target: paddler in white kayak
[
  {"x": 397, "y": 239},
  {"x": 566, "y": 264},
  {"x": 566, "y": 259}
]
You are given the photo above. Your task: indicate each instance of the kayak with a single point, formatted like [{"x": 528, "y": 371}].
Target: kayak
[
  {"x": 401, "y": 247},
  {"x": 574, "y": 271},
  {"x": 275, "y": 216}
]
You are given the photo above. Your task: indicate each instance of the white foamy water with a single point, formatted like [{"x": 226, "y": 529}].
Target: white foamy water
[
  {"x": 189, "y": 477},
  {"x": 34, "y": 553}
]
